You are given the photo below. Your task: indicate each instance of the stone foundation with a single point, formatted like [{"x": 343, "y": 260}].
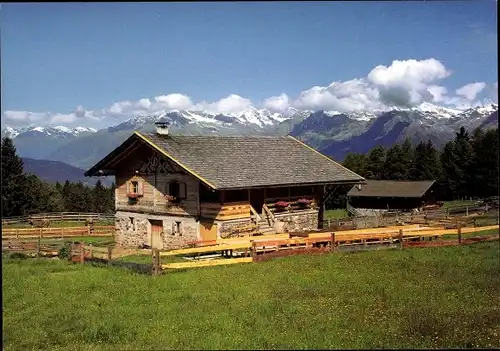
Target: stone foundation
[
  {"x": 128, "y": 235},
  {"x": 226, "y": 228},
  {"x": 299, "y": 221}
]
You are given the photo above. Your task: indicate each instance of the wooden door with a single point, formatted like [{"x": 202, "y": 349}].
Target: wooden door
[
  {"x": 156, "y": 234},
  {"x": 208, "y": 230}
]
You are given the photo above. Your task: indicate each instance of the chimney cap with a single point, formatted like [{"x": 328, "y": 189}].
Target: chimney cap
[{"x": 163, "y": 122}]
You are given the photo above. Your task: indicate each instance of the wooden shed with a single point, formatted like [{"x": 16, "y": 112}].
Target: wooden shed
[{"x": 392, "y": 194}]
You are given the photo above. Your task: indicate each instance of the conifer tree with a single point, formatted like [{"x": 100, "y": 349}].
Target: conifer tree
[
  {"x": 14, "y": 191},
  {"x": 375, "y": 163}
]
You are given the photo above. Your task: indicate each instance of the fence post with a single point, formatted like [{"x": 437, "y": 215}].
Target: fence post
[
  {"x": 401, "y": 239},
  {"x": 70, "y": 250},
  {"x": 109, "y": 253},
  {"x": 38, "y": 248},
  {"x": 254, "y": 250},
  {"x": 329, "y": 222},
  {"x": 459, "y": 230},
  {"x": 91, "y": 254},
  {"x": 82, "y": 252},
  {"x": 156, "y": 261},
  {"x": 466, "y": 211},
  {"x": 333, "y": 246}
]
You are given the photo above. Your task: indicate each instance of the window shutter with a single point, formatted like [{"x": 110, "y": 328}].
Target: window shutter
[
  {"x": 129, "y": 187},
  {"x": 140, "y": 185},
  {"x": 182, "y": 190}
]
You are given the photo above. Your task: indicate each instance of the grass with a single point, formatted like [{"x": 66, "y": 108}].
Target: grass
[
  {"x": 416, "y": 298},
  {"x": 338, "y": 213},
  {"x": 58, "y": 224},
  {"x": 458, "y": 203}
]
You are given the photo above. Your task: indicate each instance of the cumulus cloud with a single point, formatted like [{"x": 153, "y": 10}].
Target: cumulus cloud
[
  {"x": 231, "y": 104},
  {"x": 471, "y": 90},
  {"x": 438, "y": 93},
  {"x": 356, "y": 94},
  {"x": 277, "y": 103},
  {"x": 403, "y": 83}
]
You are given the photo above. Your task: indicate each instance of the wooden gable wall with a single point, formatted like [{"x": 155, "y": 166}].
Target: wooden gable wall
[{"x": 154, "y": 172}]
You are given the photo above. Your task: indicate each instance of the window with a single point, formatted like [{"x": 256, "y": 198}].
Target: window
[
  {"x": 176, "y": 228},
  {"x": 177, "y": 190},
  {"x": 135, "y": 187},
  {"x": 132, "y": 223}
]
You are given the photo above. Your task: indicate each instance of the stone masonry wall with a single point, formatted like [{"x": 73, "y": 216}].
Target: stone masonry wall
[
  {"x": 129, "y": 237},
  {"x": 226, "y": 228},
  {"x": 299, "y": 221}
]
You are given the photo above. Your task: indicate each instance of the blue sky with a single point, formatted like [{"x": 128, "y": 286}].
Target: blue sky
[{"x": 79, "y": 59}]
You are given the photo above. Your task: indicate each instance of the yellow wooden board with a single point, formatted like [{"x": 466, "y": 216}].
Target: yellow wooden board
[
  {"x": 208, "y": 230},
  {"x": 206, "y": 263},
  {"x": 213, "y": 248}
]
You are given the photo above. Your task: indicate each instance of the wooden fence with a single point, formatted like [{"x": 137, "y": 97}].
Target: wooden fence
[
  {"x": 33, "y": 247},
  {"x": 258, "y": 248},
  {"x": 60, "y": 216},
  {"x": 63, "y": 232},
  {"x": 253, "y": 249},
  {"x": 460, "y": 215}
]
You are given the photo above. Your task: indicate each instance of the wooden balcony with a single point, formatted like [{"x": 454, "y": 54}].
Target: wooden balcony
[{"x": 226, "y": 211}]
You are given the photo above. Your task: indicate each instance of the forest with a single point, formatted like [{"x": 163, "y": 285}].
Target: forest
[
  {"x": 466, "y": 167},
  {"x": 24, "y": 194}
]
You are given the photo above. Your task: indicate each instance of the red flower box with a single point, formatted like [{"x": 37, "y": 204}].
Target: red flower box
[
  {"x": 304, "y": 201},
  {"x": 282, "y": 204},
  {"x": 170, "y": 198},
  {"x": 132, "y": 196}
]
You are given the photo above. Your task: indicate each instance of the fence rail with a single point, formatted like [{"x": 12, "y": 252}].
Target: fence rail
[
  {"x": 254, "y": 249},
  {"x": 59, "y": 216},
  {"x": 62, "y": 232},
  {"x": 459, "y": 215}
]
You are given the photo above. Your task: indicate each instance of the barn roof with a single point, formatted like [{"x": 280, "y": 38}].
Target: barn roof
[
  {"x": 391, "y": 188},
  {"x": 238, "y": 162}
]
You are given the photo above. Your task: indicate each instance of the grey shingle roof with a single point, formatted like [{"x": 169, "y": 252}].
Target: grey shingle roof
[
  {"x": 391, "y": 188},
  {"x": 248, "y": 161}
]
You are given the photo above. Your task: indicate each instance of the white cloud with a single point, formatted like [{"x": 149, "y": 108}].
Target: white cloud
[
  {"x": 231, "y": 104},
  {"x": 174, "y": 102},
  {"x": 277, "y": 103},
  {"x": 494, "y": 92},
  {"x": 403, "y": 83},
  {"x": 356, "y": 94},
  {"x": 438, "y": 93},
  {"x": 471, "y": 90}
]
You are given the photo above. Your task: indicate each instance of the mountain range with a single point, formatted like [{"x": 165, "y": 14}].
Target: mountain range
[
  {"x": 56, "y": 171},
  {"x": 333, "y": 133}
]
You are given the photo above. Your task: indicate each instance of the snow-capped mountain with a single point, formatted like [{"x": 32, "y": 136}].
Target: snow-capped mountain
[
  {"x": 57, "y": 131},
  {"x": 334, "y": 133}
]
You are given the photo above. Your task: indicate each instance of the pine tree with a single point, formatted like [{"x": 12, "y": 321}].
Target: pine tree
[
  {"x": 484, "y": 167},
  {"x": 464, "y": 158},
  {"x": 426, "y": 162},
  {"x": 375, "y": 163},
  {"x": 450, "y": 180},
  {"x": 395, "y": 165},
  {"x": 99, "y": 198},
  {"x": 356, "y": 163},
  {"x": 14, "y": 191}
]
